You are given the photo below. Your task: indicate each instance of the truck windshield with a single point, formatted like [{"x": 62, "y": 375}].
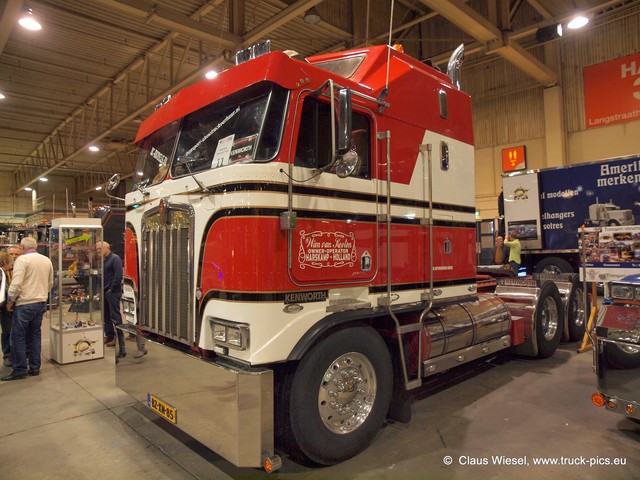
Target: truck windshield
[
  {"x": 242, "y": 128},
  {"x": 155, "y": 156}
]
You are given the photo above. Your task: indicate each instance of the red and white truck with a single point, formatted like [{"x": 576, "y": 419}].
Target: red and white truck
[{"x": 300, "y": 254}]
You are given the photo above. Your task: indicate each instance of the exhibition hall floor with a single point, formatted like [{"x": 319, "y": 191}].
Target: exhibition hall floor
[{"x": 493, "y": 420}]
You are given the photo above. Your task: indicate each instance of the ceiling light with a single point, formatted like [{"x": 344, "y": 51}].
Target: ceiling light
[
  {"x": 29, "y": 22},
  {"x": 99, "y": 187},
  {"x": 43, "y": 179},
  {"x": 27, "y": 189},
  {"x": 93, "y": 148},
  {"x": 312, "y": 16},
  {"x": 2, "y": 97},
  {"x": 578, "y": 21},
  {"x": 211, "y": 74}
]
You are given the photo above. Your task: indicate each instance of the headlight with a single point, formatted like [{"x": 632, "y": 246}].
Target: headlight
[
  {"x": 622, "y": 292},
  {"x": 129, "y": 310},
  {"x": 230, "y": 334}
]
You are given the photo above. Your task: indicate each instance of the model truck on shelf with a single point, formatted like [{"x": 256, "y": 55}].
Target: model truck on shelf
[
  {"x": 617, "y": 353},
  {"x": 300, "y": 254},
  {"x": 546, "y": 208}
]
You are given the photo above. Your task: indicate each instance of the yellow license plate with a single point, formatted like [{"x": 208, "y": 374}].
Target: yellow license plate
[{"x": 164, "y": 409}]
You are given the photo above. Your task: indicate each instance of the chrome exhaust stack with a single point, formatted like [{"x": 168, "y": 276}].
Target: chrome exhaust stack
[{"x": 455, "y": 64}]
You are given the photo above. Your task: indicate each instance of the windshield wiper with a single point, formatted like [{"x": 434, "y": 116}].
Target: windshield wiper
[{"x": 203, "y": 187}]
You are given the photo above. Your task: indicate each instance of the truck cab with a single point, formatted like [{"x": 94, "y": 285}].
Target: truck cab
[{"x": 617, "y": 355}]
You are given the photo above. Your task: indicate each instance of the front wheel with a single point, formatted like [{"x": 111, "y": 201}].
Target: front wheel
[
  {"x": 340, "y": 395},
  {"x": 549, "y": 316}
]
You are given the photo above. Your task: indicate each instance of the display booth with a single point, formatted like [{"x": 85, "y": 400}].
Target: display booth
[{"x": 76, "y": 297}]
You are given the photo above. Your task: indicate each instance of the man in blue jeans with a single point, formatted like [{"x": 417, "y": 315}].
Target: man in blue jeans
[
  {"x": 112, "y": 269},
  {"x": 30, "y": 285}
]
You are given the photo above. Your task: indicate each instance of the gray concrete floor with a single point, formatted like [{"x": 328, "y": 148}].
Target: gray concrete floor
[{"x": 73, "y": 422}]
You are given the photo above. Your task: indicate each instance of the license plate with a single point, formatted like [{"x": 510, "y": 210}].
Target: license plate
[{"x": 162, "y": 408}]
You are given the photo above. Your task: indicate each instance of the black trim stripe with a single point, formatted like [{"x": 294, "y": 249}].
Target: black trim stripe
[
  {"x": 329, "y": 193},
  {"x": 280, "y": 296}
]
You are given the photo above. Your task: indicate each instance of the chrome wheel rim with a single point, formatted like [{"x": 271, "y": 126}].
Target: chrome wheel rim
[
  {"x": 549, "y": 315},
  {"x": 578, "y": 308},
  {"x": 347, "y": 393}
]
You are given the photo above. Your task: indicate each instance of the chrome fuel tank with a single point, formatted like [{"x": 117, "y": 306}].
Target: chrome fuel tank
[
  {"x": 465, "y": 331},
  {"x": 462, "y": 325}
]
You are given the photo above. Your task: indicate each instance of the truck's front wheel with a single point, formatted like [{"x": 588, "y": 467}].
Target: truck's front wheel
[{"x": 340, "y": 395}]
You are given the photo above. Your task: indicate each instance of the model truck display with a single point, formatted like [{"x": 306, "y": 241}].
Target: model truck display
[
  {"x": 300, "y": 254},
  {"x": 617, "y": 353},
  {"x": 546, "y": 208}
]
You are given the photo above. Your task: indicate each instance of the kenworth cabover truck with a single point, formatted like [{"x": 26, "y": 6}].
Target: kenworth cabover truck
[{"x": 300, "y": 254}]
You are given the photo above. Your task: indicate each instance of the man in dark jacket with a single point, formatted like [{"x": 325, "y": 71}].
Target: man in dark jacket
[{"x": 112, "y": 269}]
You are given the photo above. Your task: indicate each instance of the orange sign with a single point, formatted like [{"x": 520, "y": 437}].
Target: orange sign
[
  {"x": 612, "y": 91},
  {"x": 514, "y": 158}
]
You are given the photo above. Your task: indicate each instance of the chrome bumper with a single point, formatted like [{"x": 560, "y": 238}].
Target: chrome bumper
[{"x": 228, "y": 410}]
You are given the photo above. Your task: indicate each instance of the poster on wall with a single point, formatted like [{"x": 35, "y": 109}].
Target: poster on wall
[
  {"x": 612, "y": 91},
  {"x": 611, "y": 253}
]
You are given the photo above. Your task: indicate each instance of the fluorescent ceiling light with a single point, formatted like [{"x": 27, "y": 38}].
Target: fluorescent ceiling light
[
  {"x": 29, "y": 22},
  {"x": 27, "y": 189},
  {"x": 99, "y": 187},
  {"x": 211, "y": 74},
  {"x": 577, "y": 22},
  {"x": 43, "y": 179},
  {"x": 93, "y": 148}
]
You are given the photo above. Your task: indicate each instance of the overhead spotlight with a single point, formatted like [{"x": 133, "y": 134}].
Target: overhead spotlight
[
  {"x": 2, "y": 97},
  {"x": 312, "y": 16},
  {"x": 99, "y": 187},
  {"x": 211, "y": 74},
  {"x": 27, "y": 189},
  {"x": 551, "y": 32},
  {"x": 93, "y": 148},
  {"x": 578, "y": 21},
  {"x": 43, "y": 179},
  {"x": 29, "y": 22}
]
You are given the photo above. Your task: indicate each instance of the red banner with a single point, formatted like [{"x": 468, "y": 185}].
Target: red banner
[{"x": 612, "y": 91}]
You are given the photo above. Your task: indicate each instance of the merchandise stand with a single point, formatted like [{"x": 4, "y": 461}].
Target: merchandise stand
[{"x": 76, "y": 298}]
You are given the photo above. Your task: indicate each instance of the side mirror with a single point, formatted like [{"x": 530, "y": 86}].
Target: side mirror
[
  {"x": 347, "y": 164},
  {"x": 344, "y": 120},
  {"x": 113, "y": 182}
]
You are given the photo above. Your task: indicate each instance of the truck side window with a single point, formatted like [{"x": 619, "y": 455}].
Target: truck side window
[{"x": 314, "y": 149}]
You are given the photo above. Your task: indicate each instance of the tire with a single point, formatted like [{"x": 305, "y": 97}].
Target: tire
[
  {"x": 553, "y": 265},
  {"x": 548, "y": 318},
  {"x": 613, "y": 223},
  {"x": 339, "y": 396},
  {"x": 578, "y": 313}
]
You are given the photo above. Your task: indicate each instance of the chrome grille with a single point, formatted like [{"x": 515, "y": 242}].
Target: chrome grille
[{"x": 166, "y": 304}]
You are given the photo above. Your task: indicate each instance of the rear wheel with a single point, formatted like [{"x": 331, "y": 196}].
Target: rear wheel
[
  {"x": 339, "y": 396},
  {"x": 578, "y": 311},
  {"x": 553, "y": 265},
  {"x": 548, "y": 320}
]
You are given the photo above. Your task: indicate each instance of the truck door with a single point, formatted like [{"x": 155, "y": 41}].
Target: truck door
[{"x": 334, "y": 241}]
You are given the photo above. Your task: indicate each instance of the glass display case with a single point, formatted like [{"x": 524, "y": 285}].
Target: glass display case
[{"x": 76, "y": 300}]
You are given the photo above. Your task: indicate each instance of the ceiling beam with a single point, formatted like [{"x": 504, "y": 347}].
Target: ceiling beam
[
  {"x": 279, "y": 19},
  {"x": 171, "y": 20},
  {"x": 471, "y": 22}
]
